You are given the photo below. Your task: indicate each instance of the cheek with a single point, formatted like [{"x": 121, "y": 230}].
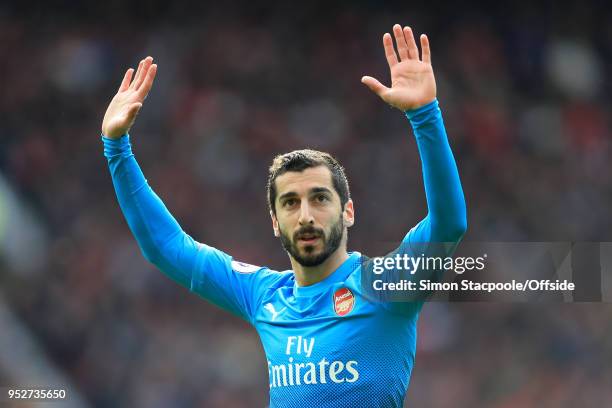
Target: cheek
[
  {"x": 284, "y": 224},
  {"x": 330, "y": 218}
]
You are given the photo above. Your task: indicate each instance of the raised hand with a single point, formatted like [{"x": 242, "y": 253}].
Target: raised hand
[
  {"x": 121, "y": 112},
  {"x": 412, "y": 80}
]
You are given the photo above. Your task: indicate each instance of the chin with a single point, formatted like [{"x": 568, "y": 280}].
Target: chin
[
  {"x": 312, "y": 259},
  {"x": 311, "y": 252}
]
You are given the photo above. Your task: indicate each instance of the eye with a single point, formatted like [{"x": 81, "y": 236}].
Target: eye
[
  {"x": 290, "y": 202},
  {"x": 321, "y": 198}
]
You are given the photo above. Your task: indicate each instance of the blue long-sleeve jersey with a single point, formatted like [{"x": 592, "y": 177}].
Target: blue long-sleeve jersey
[{"x": 326, "y": 344}]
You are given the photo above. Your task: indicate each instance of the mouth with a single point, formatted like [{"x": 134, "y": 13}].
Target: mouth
[{"x": 308, "y": 239}]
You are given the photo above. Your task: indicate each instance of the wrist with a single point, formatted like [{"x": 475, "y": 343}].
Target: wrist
[
  {"x": 410, "y": 113},
  {"x": 120, "y": 143},
  {"x": 117, "y": 146},
  {"x": 113, "y": 137},
  {"x": 113, "y": 134},
  {"x": 424, "y": 115}
]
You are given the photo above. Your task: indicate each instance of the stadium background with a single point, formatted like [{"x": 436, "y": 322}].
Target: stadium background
[{"x": 525, "y": 93}]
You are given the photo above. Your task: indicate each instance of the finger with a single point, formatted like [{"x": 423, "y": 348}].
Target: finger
[
  {"x": 145, "y": 70},
  {"x": 389, "y": 51},
  {"x": 148, "y": 82},
  {"x": 374, "y": 85},
  {"x": 138, "y": 73},
  {"x": 413, "y": 51},
  {"x": 402, "y": 47},
  {"x": 126, "y": 80},
  {"x": 426, "y": 52}
]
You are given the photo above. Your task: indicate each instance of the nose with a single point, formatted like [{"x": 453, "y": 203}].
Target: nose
[{"x": 305, "y": 214}]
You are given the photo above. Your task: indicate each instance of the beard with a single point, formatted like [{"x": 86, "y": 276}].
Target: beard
[{"x": 308, "y": 257}]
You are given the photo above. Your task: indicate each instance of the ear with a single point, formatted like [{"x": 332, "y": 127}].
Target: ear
[
  {"x": 275, "y": 225},
  {"x": 349, "y": 214}
]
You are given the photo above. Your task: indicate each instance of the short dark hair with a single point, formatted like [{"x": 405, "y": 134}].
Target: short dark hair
[{"x": 300, "y": 160}]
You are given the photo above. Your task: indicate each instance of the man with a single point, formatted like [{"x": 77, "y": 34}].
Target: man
[{"x": 326, "y": 342}]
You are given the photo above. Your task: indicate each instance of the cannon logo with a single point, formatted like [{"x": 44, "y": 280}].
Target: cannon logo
[{"x": 344, "y": 301}]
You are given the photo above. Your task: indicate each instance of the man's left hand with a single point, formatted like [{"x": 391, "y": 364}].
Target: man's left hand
[{"x": 412, "y": 80}]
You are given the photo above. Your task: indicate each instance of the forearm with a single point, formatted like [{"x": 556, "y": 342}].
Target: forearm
[
  {"x": 160, "y": 237},
  {"x": 446, "y": 220}
]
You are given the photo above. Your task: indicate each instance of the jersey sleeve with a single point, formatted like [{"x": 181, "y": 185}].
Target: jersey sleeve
[
  {"x": 202, "y": 269},
  {"x": 446, "y": 222},
  {"x": 232, "y": 285},
  {"x": 446, "y": 219}
]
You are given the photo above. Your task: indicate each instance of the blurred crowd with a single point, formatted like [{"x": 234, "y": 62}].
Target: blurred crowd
[{"x": 524, "y": 91}]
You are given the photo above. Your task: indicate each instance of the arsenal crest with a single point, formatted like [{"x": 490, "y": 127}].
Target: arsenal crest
[{"x": 344, "y": 301}]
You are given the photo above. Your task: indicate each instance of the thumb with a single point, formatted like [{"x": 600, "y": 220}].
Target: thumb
[
  {"x": 374, "y": 85},
  {"x": 133, "y": 110}
]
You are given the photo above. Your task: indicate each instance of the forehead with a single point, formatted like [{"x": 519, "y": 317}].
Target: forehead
[{"x": 303, "y": 181}]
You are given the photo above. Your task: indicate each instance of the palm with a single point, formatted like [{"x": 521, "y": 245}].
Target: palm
[
  {"x": 412, "y": 84},
  {"x": 125, "y": 105},
  {"x": 412, "y": 79}
]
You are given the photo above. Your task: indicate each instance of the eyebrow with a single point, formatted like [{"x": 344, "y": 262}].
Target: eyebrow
[{"x": 313, "y": 190}]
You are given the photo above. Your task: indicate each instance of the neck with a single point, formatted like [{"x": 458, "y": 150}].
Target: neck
[{"x": 309, "y": 275}]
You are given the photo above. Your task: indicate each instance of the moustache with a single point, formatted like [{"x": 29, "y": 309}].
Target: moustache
[{"x": 307, "y": 233}]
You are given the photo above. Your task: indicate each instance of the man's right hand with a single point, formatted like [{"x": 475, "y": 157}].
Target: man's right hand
[{"x": 121, "y": 112}]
